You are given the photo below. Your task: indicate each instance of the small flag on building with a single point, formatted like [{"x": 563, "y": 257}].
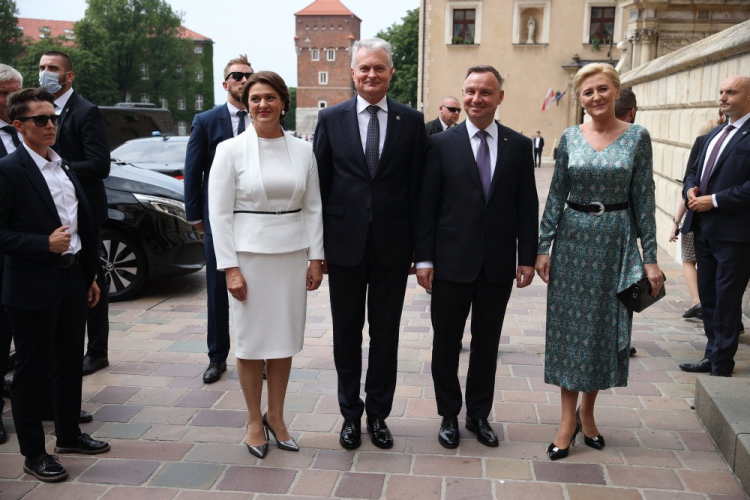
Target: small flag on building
[{"x": 547, "y": 98}]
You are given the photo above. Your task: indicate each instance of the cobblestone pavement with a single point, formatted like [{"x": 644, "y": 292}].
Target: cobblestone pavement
[{"x": 175, "y": 438}]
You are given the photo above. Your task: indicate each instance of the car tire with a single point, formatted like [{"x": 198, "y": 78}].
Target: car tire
[{"x": 124, "y": 263}]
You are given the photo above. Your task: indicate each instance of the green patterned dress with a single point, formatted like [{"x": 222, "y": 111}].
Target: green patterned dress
[{"x": 594, "y": 257}]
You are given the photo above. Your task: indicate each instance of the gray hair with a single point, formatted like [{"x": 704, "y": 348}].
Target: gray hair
[
  {"x": 371, "y": 45},
  {"x": 10, "y": 74}
]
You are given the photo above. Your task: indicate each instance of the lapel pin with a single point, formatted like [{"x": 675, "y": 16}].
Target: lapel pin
[
  {"x": 505, "y": 139},
  {"x": 398, "y": 117}
]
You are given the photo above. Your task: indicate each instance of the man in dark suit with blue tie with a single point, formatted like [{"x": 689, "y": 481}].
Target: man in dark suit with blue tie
[
  {"x": 717, "y": 190},
  {"x": 10, "y": 81},
  {"x": 370, "y": 153},
  {"x": 208, "y": 130},
  {"x": 82, "y": 141},
  {"x": 51, "y": 255},
  {"x": 478, "y": 217}
]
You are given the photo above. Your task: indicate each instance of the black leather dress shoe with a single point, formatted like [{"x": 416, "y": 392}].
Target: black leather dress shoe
[
  {"x": 702, "y": 366},
  {"x": 3, "y": 433},
  {"x": 632, "y": 352},
  {"x": 45, "y": 468},
  {"x": 694, "y": 312},
  {"x": 485, "y": 434},
  {"x": 716, "y": 374},
  {"x": 351, "y": 434},
  {"x": 214, "y": 371},
  {"x": 448, "y": 436},
  {"x": 380, "y": 434},
  {"x": 84, "y": 444},
  {"x": 94, "y": 363},
  {"x": 85, "y": 417}
]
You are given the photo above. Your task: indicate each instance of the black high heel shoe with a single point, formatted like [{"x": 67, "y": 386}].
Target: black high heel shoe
[
  {"x": 288, "y": 445},
  {"x": 596, "y": 442},
  {"x": 259, "y": 451},
  {"x": 555, "y": 453}
]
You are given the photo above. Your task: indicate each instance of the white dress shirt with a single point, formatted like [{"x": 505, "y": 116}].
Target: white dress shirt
[
  {"x": 63, "y": 194},
  {"x": 236, "y": 119},
  {"x": 443, "y": 124},
  {"x": 737, "y": 125},
  {"x": 537, "y": 141},
  {"x": 363, "y": 119},
  {"x": 61, "y": 101},
  {"x": 7, "y": 139}
]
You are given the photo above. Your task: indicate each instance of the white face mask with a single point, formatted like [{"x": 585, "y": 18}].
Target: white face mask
[{"x": 50, "y": 80}]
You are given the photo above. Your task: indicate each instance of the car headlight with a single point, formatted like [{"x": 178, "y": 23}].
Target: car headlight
[{"x": 164, "y": 205}]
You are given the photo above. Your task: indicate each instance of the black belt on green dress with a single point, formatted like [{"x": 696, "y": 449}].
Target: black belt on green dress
[
  {"x": 268, "y": 213},
  {"x": 596, "y": 207}
]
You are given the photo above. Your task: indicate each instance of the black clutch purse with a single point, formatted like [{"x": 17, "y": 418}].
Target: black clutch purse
[{"x": 638, "y": 296}]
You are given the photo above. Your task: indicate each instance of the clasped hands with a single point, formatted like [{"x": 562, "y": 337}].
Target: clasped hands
[
  {"x": 698, "y": 203},
  {"x": 426, "y": 275}
]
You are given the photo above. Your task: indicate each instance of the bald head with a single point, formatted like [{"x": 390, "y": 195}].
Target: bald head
[
  {"x": 448, "y": 115},
  {"x": 734, "y": 97}
]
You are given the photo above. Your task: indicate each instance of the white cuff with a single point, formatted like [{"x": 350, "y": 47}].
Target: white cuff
[{"x": 424, "y": 265}]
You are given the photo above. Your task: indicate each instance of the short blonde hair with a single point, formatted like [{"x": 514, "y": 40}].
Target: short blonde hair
[{"x": 593, "y": 69}]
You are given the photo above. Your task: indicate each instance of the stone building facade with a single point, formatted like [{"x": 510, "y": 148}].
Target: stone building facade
[{"x": 325, "y": 32}]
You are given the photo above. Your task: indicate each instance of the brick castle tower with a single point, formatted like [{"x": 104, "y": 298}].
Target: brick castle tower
[{"x": 325, "y": 32}]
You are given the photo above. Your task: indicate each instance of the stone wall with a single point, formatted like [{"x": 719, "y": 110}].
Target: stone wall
[{"x": 676, "y": 93}]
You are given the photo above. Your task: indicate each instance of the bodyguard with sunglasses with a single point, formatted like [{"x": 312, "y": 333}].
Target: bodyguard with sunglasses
[
  {"x": 208, "y": 130},
  {"x": 449, "y": 112},
  {"x": 51, "y": 255}
]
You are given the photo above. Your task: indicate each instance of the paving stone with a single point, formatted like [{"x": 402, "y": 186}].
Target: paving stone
[
  {"x": 653, "y": 458},
  {"x": 113, "y": 395},
  {"x": 413, "y": 487},
  {"x": 355, "y": 485},
  {"x": 130, "y": 472},
  {"x": 513, "y": 490},
  {"x": 220, "y": 418},
  {"x": 458, "y": 488},
  {"x": 561, "y": 472},
  {"x": 334, "y": 460},
  {"x": 135, "y": 368},
  {"x": 383, "y": 462},
  {"x": 164, "y": 415},
  {"x": 116, "y": 413},
  {"x": 723, "y": 483},
  {"x": 139, "y": 493},
  {"x": 184, "y": 346},
  {"x": 148, "y": 450},
  {"x": 585, "y": 492},
  {"x": 200, "y": 434},
  {"x": 199, "y": 399},
  {"x": 660, "y": 439},
  {"x": 186, "y": 475},
  {"x": 64, "y": 491},
  {"x": 157, "y": 396},
  {"x": 12, "y": 490},
  {"x": 121, "y": 431},
  {"x": 317, "y": 483},
  {"x": 160, "y": 432},
  {"x": 313, "y": 422},
  {"x": 263, "y": 480},
  {"x": 447, "y": 466},
  {"x": 673, "y": 420},
  {"x": 505, "y": 468},
  {"x": 708, "y": 460},
  {"x": 644, "y": 477}
]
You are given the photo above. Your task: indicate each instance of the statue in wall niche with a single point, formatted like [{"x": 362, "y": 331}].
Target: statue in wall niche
[{"x": 531, "y": 29}]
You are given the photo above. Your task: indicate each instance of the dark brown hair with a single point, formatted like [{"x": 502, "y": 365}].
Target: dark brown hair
[
  {"x": 485, "y": 68},
  {"x": 67, "y": 61},
  {"x": 625, "y": 103},
  {"x": 242, "y": 59},
  {"x": 269, "y": 78},
  {"x": 18, "y": 102}
]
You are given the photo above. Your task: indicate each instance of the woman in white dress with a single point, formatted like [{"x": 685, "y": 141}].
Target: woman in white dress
[{"x": 265, "y": 209}]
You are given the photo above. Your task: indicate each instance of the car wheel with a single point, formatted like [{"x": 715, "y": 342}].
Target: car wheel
[{"x": 124, "y": 265}]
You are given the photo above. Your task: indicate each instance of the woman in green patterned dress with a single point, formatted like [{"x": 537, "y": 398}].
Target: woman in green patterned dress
[{"x": 601, "y": 165}]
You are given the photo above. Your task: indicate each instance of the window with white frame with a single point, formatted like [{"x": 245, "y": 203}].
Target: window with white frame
[
  {"x": 330, "y": 54},
  {"x": 144, "y": 71},
  {"x": 601, "y": 22},
  {"x": 128, "y": 98},
  {"x": 323, "y": 78},
  {"x": 181, "y": 103},
  {"x": 164, "y": 103},
  {"x": 182, "y": 128},
  {"x": 145, "y": 98},
  {"x": 198, "y": 49},
  {"x": 315, "y": 54},
  {"x": 463, "y": 22},
  {"x": 198, "y": 102},
  {"x": 322, "y": 104},
  {"x": 199, "y": 75}
]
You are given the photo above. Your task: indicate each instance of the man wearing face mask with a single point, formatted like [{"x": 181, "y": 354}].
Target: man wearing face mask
[{"x": 82, "y": 141}]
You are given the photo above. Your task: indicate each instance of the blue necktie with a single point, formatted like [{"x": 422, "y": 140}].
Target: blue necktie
[
  {"x": 372, "y": 144},
  {"x": 484, "y": 162},
  {"x": 241, "y": 127}
]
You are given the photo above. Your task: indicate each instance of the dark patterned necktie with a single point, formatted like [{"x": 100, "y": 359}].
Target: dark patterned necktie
[
  {"x": 372, "y": 144},
  {"x": 241, "y": 127},
  {"x": 484, "y": 162},
  {"x": 712, "y": 160},
  {"x": 11, "y": 131}
]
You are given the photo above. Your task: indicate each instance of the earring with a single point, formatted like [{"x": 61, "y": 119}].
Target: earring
[{"x": 283, "y": 112}]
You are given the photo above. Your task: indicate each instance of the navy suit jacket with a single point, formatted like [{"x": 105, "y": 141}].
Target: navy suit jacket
[
  {"x": 433, "y": 127},
  {"x": 82, "y": 142},
  {"x": 27, "y": 217},
  {"x": 349, "y": 194},
  {"x": 461, "y": 230},
  {"x": 730, "y": 182},
  {"x": 209, "y": 129}
]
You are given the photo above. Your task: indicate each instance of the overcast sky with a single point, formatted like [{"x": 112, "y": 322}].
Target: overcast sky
[{"x": 264, "y": 29}]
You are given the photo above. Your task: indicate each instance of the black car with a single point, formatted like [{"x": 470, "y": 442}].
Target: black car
[
  {"x": 164, "y": 154},
  {"x": 146, "y": 235}
]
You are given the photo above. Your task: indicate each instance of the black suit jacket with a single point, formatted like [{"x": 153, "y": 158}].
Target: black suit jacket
[
  {"x": 541, "y": 142},
  {"x": 209, "y": 129},
  {"x": 730, "y": 182},
  {"x": 349, "y": 194},
  {"x": 460, "y": 231},
  {"x": 433, "y": 127},
  {"x": 27, "y": 217},
  {"x": 82, "y": 141}
]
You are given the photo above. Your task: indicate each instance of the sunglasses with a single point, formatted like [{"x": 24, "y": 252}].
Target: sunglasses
[
  {"x": 452, "y": 110},
  {"x": 237, "y": 76},
  {"x": 40, "y": 120}
]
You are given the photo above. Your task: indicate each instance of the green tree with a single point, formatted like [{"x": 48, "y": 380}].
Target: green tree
[
  {"x": 11, "y": 36},
  {"x": 404, "y": 39},
  {"x": 290, "y": 120}
]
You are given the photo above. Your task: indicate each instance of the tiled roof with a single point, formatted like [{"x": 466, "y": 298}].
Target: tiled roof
[
  {"x": 37, "y": 29},
  {"x": 326, "y": 8}
]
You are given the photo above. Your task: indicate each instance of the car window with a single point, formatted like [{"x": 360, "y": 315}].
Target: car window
[{"x": 151, "y": 151}]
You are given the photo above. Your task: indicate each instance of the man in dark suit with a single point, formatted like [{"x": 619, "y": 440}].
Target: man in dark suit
[
  {"x": 717, "y": 190},
  {"x": 538, "y": 142},
  {"x": 370, "y": 153},
  {"x": 51, "y": 254},
  {"x": 448, "y": 114},
  {"x": 82, "y": 141},
  {"x": 208, "y": 130},
  {"x": 10, "y": 81},
  {"x": 478, "y": 204},
  {"x": 626, "y": 106}
]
